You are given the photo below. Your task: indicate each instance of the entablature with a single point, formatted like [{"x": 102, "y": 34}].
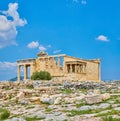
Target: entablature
[{"x": 31, "y": 60}]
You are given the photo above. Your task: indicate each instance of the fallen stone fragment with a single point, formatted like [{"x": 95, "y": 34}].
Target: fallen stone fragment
[
  {"x": 93, "y": 99},
  {"x": 20, "y": 95},
  {"x": 35, "y": 99},
  {"x": 105, "y": 96},
  {"x": 58, "y": 101},
  {"x": 47, "y": 100}
]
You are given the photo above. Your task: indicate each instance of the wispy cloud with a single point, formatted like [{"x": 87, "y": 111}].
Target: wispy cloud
[
  {"x": 8, "y": 27},
  {"x": 102, "y": 38},
  {"x": 42, "y": 48},
  {"x": 7, "y": 65},
  {"x": 33, "y": 44},
  {"x": 84, "y": 2},
  {"x": 36, "y": 44},
  {"x": 8, "y": 70},
  {"x": 57, "y": 51}
]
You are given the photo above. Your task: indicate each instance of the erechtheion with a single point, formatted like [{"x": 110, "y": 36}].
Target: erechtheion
[{"x": 62, "y": 67}]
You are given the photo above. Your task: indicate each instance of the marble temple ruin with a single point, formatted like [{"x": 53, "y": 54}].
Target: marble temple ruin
[{"x": 62, "y": 67}]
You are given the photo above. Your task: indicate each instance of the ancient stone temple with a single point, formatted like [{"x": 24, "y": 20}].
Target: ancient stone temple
[{"x": 62, "y": 67}]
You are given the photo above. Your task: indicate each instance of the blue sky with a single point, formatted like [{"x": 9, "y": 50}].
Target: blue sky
[{"x": 82, "y": 28}]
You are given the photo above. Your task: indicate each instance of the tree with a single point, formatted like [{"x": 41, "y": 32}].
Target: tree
[{"x": 42, "y": 75}]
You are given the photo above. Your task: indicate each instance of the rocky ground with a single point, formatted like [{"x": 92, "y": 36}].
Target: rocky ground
[{"x": 53, "y": 101}]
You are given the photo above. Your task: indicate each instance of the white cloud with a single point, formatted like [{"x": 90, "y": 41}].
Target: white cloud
[
  {"x": 8, "y": 70},
  {"x": 8, "y": 27},
  {"x": 102, "y": 38},
  {"x": 33, "y": 44},
  {"x": 36, "y": 44},
  {"x": 7, "y": 65},
  {"x": 42, "y": 48},
  {"x": 12, "y": 11},
  {"x": 84, "y": 2},
  {"x": 57, "y": 51}
]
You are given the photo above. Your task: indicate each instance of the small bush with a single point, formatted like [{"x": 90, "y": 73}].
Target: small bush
[
  {"x": 4, "y": 114},
  {"x": 42, "y": 75},
  {"x": 66, "y": 91},
  {"x": 79, "y": 105},
  {"x": 48, "y": 109},
  {"x": 110, "y": 118},
  {"x": 34, "y": 118},
  {"x": 76, "y": 112},
  {"x": 111, "y": 112}
]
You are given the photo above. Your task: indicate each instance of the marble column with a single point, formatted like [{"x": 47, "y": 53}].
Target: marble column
[
  {"x": 25, "y": 72},
  {"x": 75, "y": 68},
  {"x": 70, "y": 68},
  {"x": 84, "y": 68},
  {"x": 54, "y": 66},
  {"x": 58, "y": 65},
  {"x": 18, "y": 72},
  {"x": 81, "y": 68},
  {"x": 31, "y": 69},
  {"x": 50, "y": 65}
]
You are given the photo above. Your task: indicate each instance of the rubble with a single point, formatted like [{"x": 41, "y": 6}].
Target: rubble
[{"x": 55, "y": 101}]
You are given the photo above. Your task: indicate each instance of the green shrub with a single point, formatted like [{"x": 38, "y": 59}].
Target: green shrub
[
  {"x": 80, "y": 104},
  {"x": 66, "y": 91},
  {"x": 111, "y": 112},
  {"x": 4, "y": 114},
  {"x": 77, "y": 112},
  {"x": 34, "y": 118},
  {"x": 42, "y": 75},
  {"x": 48, "y": 109},
  {"x": 110, "y": 118}
]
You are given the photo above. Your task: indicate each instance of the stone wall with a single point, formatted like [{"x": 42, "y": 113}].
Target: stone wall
[
  {"x": 93, "y": 71},
  {"x": 49, "y": 64}
]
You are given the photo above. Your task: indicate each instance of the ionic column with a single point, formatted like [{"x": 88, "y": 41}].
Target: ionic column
[
  {"x": 70, "y": 68},
  {"x": 75, "y": 68},
  {"x": 25, "y": 72},
  {"x": 78, "y": 68},
  {"x": 54, "y": 66},
  {"x": 18, "y": 72},
  {"x": 31, "y": 70},
  {"x": 64, "y": 67},
  {"x": 58, "y": 65},
  {"x": 48, "y": 64},
  {"x": 83, "y": 68}
]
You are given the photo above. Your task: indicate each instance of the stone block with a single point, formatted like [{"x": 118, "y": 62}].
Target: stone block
[
  {"x": 93, "y": 99},
  {"x": 105, "y": 96}
]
